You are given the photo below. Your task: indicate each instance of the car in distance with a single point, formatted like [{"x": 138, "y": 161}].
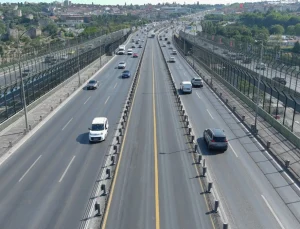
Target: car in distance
[
  {"x": 215, "y": 139},
  {"x": 261, "y": 66},
  {"x": 92, "y": 84},
  {"x": 280, "y": 80},
  {"x": 129, "y": 52},
  {"x": 169, "y": 42},
  {"x": 133, "y": 46},
  {"x": 140, "y": 46},
  {"x": 174, "y": 52},
  {"x": 172, "y": 59},
  {"x": 126, "y": 74},
  {"x": 135, "y": 55},
  {"x": 122, "y": 65},
  {"x": 99, "y": 130},
  {"x": 163, "y": 45},
  {"x": 197, "y": 82},
  {"x": 186, "y": 87}
]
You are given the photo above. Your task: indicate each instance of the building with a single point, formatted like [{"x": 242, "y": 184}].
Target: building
[
  {"x": 12, "y": 33},
  {"x": 29, "y": 16},
  {"x": 18, "y": 13},
  {"x": 73, "y": 20},
  {"x": 34, "y": 32},
  {"x": 175, "y": 9}
]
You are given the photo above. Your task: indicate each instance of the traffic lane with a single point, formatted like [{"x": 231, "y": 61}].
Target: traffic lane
[
  {"x": 64, "y": 152},
  {"x": 181, "y": 205},
  {"x": 199, "y": 105},
  {"x": 132, "y": 204}
]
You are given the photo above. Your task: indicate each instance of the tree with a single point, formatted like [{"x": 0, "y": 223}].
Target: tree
[
  {"x": 290, "y": 30},
  {"x": 277, "y": 29},
  {"x": 51, "y": 29},
  {"x": 296, "y": 47}
]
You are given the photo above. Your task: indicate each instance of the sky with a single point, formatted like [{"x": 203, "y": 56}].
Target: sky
[{"x": 139, "y": 2}]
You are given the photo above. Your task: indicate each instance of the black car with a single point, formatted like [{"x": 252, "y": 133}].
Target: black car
[{"x": 279, "y": 80}]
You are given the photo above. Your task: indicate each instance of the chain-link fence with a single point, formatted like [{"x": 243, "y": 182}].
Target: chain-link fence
[
  {"x": 42, "y": 76},
  {"x": 280, "y": 101}
]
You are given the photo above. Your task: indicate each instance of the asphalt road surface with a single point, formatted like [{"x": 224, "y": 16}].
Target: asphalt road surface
[
  {"x": 47, "y": 182},
  {"x": 156, "y": 184},
  {"x": 247, "y": 183}
]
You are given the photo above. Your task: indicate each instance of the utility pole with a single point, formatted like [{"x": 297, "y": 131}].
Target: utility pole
[
  {"x": 22, "y": 82},
  {"x": 258, "y": 86},
  {"x": 78, "y": 65}
]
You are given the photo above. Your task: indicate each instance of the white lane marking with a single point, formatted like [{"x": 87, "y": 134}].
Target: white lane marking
[
  {"x": 67, "y": 124},
  {"x": 30, "y": 168},
  {"x": 198, "y": 95},
  {"x": 232, "y": 149},
  {"x": 272, "y": 211},
  {"x": 209, "y": 114},
  {"x": 62, "y": 176},
  {"x": 87, "y": 100},
  {"x": 107, "y": 99},
  {"x": 115, "y": 85}
]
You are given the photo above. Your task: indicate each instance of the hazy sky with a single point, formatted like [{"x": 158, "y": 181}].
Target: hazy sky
[{"x": 139, "y": 2}]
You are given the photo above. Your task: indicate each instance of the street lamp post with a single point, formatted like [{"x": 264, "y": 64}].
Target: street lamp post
[
  {"x": 258, "y": 86},
  {"x": 22, "y": 82},
  {"x": 78, "y": 65}
]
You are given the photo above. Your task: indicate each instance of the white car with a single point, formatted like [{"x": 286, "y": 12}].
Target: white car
[
  {"x": 197, "y": 82},
  {"x": 129, "y": 52},
  {"x": 172, "y": 59},
  {"x": 122, "y": 65},
  {"x": 186, "y": 87},
  {"x": 99, "y": 129}
]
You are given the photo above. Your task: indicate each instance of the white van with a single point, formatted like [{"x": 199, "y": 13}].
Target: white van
[
  {"x": 121, "y": 50},
  {"x": 186, "y": 87},
  {"x": 99, "y": 129}
]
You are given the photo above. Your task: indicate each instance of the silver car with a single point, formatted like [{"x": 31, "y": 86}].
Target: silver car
[
  {"x": 215, "y": 139},
  {"x": 197, "y": 82},
  {"x": 92, "y": 84}
]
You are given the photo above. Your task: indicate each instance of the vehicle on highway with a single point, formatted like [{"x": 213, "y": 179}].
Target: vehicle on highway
[
  {"x": 169, "y": 42},
  {"x": 166, "y": 38},
  {"x": 122, "y": 65},
  {"x": 71, "y": 52},
  {"x": 215, "y": 139},
  {"x": 140, "y": 46},
  {"x": 225, "y": 52},
  {"x": 99, "y": 130},
  {"x": 132, "y": 40},
  {"x": 142, "y": 40},
  {"x": 26, "y": 72},
  {"x": 186, "y": 87},
  {"x": 174, "y": 52},
  {"x": 92, "y": 84},
  {"x": 170, "y": 47},
  {"x": 126, "y": 74},
  {"x": 197, "y": 82},
  {"x": 261, "y": 66},
  {"x": 135, "y": 55},
  {"x": 247, "y": 60},
  {"x": 137, "y": 42},
  {"x": 163, "y": 45},
  {"x": 129, "y": 52},
  {"x": 172, "y": 59},
  {"x": 280, "y": 80},
  {"x": 133, "y": 46},
  {"x": 121, "y": 50}
]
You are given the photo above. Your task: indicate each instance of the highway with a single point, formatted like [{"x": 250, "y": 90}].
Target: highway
[
  {"x": 156, "y": 185},
  {"x": 47, "y": 182},
  {"x": 270, "y": 72},
  {"x": 9, "y": 75},
  {"x": 247, "y": 183}
]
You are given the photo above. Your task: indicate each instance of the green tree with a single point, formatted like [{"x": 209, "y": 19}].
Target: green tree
[
  {"x": 51, "y": 29},
  {"x": 296, "y": 47},
  {"x": 290, "y": 30},
  {"x": 277, "y": 29}
]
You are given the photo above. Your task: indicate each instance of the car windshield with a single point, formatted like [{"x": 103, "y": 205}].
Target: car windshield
[
  {"x": 92, "y": 81},
  {"x": 122, "y": 62},
  {"x": 197, "y": 79},
  {"x": 126, "y": 72},
  {"x": 97, "y": 127}
]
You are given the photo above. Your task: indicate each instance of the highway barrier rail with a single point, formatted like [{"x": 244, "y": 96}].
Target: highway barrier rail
[
  {"x": 215, "y": 80},
  {"x": 200, "y": 165},
  {"x": 44, "y": 80},
  {"x": 280, "y": 108}
]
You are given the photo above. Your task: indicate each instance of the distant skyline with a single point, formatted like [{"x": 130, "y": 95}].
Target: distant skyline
[{"x": 136, "y": 2}]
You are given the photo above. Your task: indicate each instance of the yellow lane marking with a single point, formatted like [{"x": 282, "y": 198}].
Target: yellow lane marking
[
  {"x": 118, "y": 164},
  {"x": 157, "y": 218}
]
